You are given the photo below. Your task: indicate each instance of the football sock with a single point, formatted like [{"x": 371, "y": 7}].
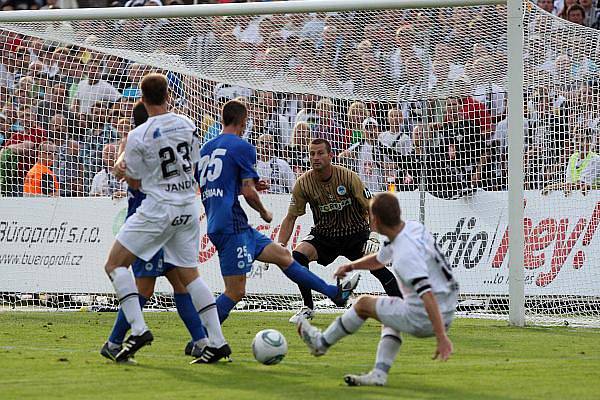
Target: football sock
[
  {"x": 388, "y": 348},
  {"x": 204, "y": 303},
  {"x": 303, "y": 277},
  {"x": 127, "y": 293},
  {"x": 304, "y": 291},
  {"x": 345, "y": 325},
  {"x": 224, "y": 306},
  {"x": 121, "y": 326},
  {"x": 189, "y": 316},
  {"x": 388, "y": 281}
]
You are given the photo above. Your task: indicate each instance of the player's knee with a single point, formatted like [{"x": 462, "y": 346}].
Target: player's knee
[
  {"x": 284, "y": 258},
  {"x": 301, "y": 258},
  {"x": 362, "y": 306}
]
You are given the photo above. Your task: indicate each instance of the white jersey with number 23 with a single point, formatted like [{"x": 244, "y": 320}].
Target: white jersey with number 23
[{"x": 162, "y": 153}]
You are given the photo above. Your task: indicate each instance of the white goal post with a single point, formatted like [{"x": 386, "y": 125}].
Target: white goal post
[{"x": 456, "y": 94}]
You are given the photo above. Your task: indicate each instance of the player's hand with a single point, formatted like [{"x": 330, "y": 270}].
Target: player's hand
[
  {"x": 342, "y": 271},
  {"x": 267, "y": 216},
  {"x": 372, "y": 244},
  {"x": 261, "y": 185},
  {"x": 444, "y": 349},
  {"x": 119, "y": 169}
]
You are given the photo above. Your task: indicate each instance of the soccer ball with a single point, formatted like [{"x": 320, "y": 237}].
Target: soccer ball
[{"x": 269, "y": 347}]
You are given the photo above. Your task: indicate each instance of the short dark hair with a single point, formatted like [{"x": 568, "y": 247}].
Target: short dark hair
[
  {"x": 576, "y": 7},
  {"x": 234, "y": 112},
  {"x": 322, "y": 141},
  {"x": 155, "y": 89},
  {"x": 140, "y": 114},
  {"x": 386, "y": 208}
]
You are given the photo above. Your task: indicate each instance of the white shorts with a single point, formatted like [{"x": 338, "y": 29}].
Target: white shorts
[
  {"x": 155, "y": 226},
  {"x": 409, "y": 318}
]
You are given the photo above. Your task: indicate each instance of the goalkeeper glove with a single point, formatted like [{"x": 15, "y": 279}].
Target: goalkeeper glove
[{"x": 372, "y": 244}]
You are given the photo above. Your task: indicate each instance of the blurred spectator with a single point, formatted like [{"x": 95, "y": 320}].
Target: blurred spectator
[
  {"x": 357, "y": 114},
  {"x": 576, "y": 14},
  {"x": 41, "y": 180},
  {"x": 369, "y": 158},
  {"x": 563, "y": 6},
  {"x": 94, "y": 89},
  {"x": 104, "y": 182},
  {"x": 590, "y": 10},
  {"x": 327, "y": 127},
  {"x": 98, "y": 134},
  {"x": 583, "y": 168},
  {"x": 397, "y": 137},
  {"x": 276, "y": 171},
  {"x": 546, "y": 5},
  {"x": 297, "y": 151}
]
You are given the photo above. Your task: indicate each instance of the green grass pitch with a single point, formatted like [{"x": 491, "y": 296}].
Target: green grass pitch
[{"x": 55, "y": 356}]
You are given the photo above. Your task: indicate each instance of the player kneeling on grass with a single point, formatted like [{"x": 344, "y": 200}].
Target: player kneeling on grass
[
  {"x": 430, "y": 294},
  {"x": 146, "y": 272}
]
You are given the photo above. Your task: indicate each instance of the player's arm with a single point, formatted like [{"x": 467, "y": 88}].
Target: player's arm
[
  {"x": 133, "y": 163},
  {"x": 253, "y": 199},
  {"x": 444, "y": 345},
  {"x": 297, "y": 208},
  {"x": 369, "y": 263}
]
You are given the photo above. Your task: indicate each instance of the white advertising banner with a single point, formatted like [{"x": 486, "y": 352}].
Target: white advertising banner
[{"x": 60, "y": 244}]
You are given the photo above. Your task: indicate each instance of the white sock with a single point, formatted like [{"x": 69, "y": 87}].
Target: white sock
[
  {"x": 345, "y": 325},
  {"x": 124, "y": 284},
  {"x": 204, "y": 301},
  {"x": 387, "y": 350}
]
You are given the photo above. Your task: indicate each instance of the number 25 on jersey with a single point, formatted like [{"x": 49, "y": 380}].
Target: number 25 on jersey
[{"x": 210, "y": 167}]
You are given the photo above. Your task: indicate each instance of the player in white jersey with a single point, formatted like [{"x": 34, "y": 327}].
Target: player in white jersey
[
  {"x": 160, "y": 157},
  {"x": 429, "y": 290}
]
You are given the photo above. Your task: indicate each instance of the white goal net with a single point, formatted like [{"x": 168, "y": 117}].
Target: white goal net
[{"x": 414, "y": 101}]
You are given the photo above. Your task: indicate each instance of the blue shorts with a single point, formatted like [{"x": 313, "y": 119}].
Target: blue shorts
[
  {"x": 237, "y": 251},
  {"x": 153, "y": 268}
]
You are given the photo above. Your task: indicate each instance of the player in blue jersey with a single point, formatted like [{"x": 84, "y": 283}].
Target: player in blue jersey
[
  {"x": 146, "y": 272},
  {"x": 227, "y": 169}
]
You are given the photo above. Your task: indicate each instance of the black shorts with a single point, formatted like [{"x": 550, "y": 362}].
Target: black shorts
[{"x": 328, "y": 248}]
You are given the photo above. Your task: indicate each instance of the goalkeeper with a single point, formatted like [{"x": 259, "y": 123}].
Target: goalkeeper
[{"x": 339, "y": 203}]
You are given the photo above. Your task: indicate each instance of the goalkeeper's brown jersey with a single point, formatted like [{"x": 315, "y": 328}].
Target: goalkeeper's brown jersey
[{"x": 340, "y": 205}]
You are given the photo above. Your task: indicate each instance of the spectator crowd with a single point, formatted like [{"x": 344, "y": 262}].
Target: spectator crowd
[{"x": 410, "y": 100}]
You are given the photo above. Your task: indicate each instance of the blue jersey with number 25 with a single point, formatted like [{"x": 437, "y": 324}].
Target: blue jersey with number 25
[{"x": 224, "y": 162}]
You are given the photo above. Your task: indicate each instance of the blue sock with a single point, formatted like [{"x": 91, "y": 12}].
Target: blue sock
[
  {"x": 224, "y": 306},
  {"x": 189, "y": 316},
  {"x": 302, "y": 276},
  {"x": 121, "y": 325}
]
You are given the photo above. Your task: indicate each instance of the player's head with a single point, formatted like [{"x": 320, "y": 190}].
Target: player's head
[
  {"x": 155, "y": 90},
  {"x": 234, "y": 115},
  {"x": 140, "y": 114},
  {"x": 320, "y": 154},
  {"x": 384, "y": 212}
]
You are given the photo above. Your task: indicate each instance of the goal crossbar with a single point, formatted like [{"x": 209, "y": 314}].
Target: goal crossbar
[{"x": 257, "y": 8}]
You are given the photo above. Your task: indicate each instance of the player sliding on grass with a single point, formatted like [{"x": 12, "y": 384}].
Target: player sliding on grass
[
  {"x": 339, "y": 202},
  {"x": 430, "y": 294},
  {"x": 160, "y": 157},
  {"x": 146, "y": 272},
  {"x": 226, "y": 170}
]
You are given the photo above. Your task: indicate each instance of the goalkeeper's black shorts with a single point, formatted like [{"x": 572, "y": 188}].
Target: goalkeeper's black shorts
[{"x": 330, "y": 248}]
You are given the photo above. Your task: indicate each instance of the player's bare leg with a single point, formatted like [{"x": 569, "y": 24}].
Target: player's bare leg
[
  {"x": 122, "y": 279},
  {"x": 276, "y": 254},
  {"x": 204, "y": 302}
]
